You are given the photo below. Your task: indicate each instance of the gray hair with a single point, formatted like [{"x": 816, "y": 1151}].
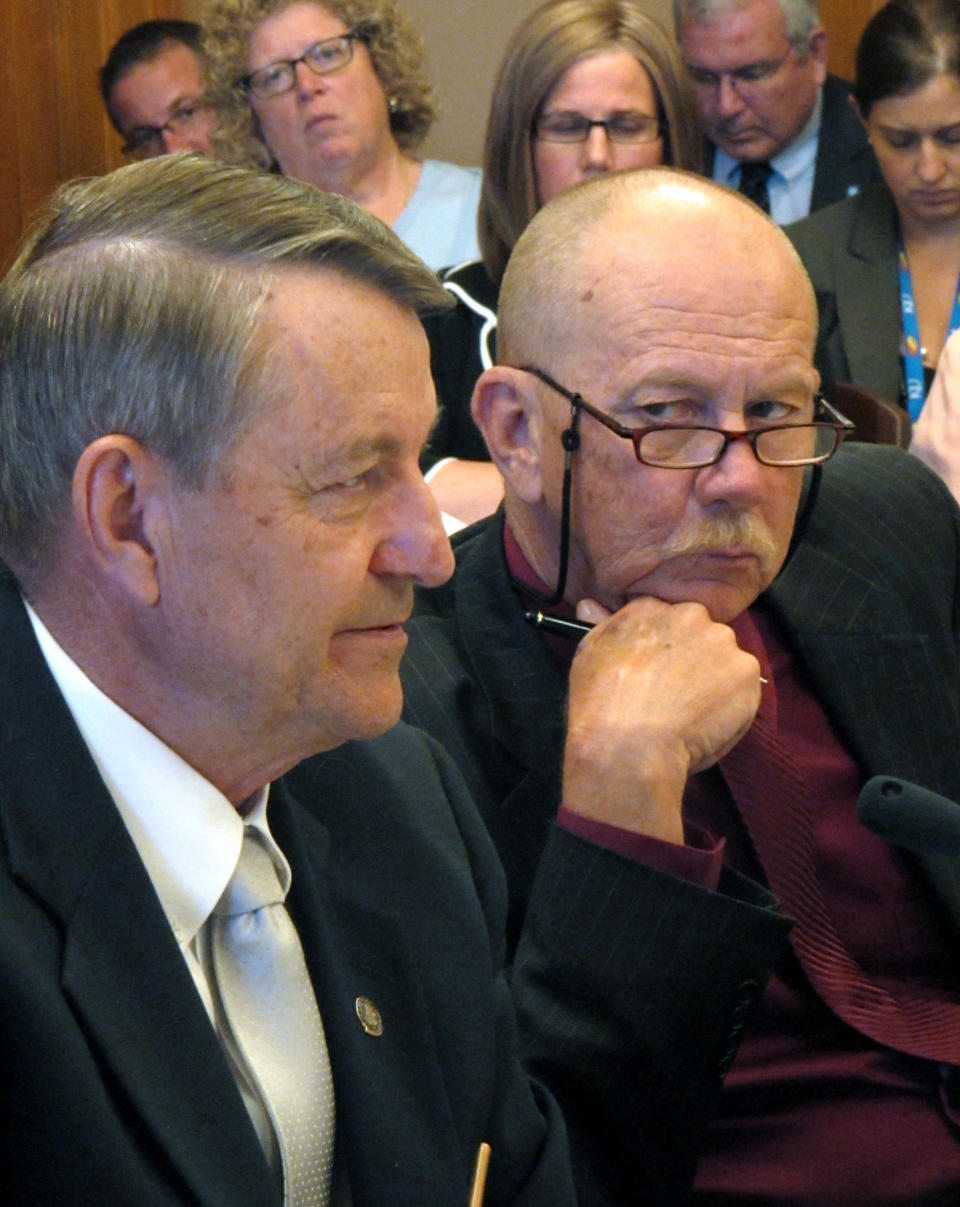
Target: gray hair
[
  {"x": 133, "y": 308},
  {"x": 801, "y": 16}
]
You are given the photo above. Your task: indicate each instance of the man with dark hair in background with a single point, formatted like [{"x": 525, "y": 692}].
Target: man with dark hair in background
[{"x": 152, "y": 87}]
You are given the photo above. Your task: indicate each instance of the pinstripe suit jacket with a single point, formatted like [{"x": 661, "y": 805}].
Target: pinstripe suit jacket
[{"x": 869, "y": 600}]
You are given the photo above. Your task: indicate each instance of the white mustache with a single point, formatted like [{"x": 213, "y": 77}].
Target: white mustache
[{"x": 736, "y": 530}]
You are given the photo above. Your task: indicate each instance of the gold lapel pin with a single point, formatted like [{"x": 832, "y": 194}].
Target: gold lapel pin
[{"x": 370, "y": 1018}]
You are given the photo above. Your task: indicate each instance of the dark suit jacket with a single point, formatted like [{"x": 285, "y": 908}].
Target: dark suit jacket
[
  {"x": 845, "y": 160},
  {"x": 644, "y": 980},
  {"x": 869, "y": 598},
  {"x": 850, "y": 253},
  {"x": 114, "y": 1087},
  {"x": 462, "y": 344}
]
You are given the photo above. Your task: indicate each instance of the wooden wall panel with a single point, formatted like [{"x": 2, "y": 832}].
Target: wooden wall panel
[
  {"x": 28, "y": 114},
  {"x": 52, "y": 123},
  {"x": 844, "y": 21},
  {"x": 79, "y": 40}
]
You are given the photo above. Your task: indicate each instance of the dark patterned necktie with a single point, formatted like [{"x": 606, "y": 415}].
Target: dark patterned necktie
[
  {"x": 771, "y": 795},
  {"x": 753, "y": 182}
]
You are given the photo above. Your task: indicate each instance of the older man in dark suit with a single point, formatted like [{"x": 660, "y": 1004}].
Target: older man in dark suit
[
  {"x": 779, "y": 128},
  {"x": 215, "y": 389},
  {"x": 669, "y": 478}
]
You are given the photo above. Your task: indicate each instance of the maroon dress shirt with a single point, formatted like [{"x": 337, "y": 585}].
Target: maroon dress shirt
[{"x": 816, "y": 1111}]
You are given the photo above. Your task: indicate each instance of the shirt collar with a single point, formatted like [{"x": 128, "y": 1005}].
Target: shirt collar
[
  {"x": 185, "y": 830},
  {"x": 792, "y": 161}
]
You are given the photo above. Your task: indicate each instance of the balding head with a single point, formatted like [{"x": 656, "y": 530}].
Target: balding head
[
  {"x": 663, "y": 223},
  {"x": 659, "y": 298}
]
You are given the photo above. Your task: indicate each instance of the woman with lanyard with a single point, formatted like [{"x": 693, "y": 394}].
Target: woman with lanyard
[{"x": 886, "y": 263}]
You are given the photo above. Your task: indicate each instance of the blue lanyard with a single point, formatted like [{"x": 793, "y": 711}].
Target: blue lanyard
[{"x": 912, "y": 354}]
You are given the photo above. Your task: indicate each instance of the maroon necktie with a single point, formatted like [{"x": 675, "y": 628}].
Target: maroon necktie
[{"x": 770, "y": 793}]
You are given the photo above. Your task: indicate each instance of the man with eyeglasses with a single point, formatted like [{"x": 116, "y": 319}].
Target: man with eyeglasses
[
  {"x": 152, "y": 87},
  {"x": 776, "y": 618},
  {"x": 779, "y": 128}
]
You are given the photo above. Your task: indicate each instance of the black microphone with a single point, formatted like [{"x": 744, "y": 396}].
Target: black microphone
[{"x": 910, "y": 816}]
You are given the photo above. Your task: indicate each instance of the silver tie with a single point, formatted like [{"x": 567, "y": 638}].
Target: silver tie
[{"x": 270, "y": 1007}]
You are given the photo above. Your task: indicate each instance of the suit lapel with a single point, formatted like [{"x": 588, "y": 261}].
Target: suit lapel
[
  {"x": 832, "y": 160},
  {"x": 868, "y": 310},
  {"x": 508, "y": 658},
  {"x": 844, "y": 157},
  {"x": 517, "y": 703},
  {"x": 137, "y": 1002},
  {"x": 841, "y": 624},
  {"x": 122, "y": 971},
  {"x": 881, "y": 680},
  {"x": 390, "y": 1118}
]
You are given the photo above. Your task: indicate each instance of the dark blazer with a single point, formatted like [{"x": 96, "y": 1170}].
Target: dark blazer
[
  {"x": 845, "y": 160},
  {"x": 850, "y": 253},
  {"x": 114, "y": 1087},
  {"x": 642, "y": 981},
  {"x": 869, "y": 598},
  {"x": 463, "y": 343}
]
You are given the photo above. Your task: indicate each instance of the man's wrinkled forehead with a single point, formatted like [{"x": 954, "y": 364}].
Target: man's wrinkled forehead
[{"x": 688, "y": 276}]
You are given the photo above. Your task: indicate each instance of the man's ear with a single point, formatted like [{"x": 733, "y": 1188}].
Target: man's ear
[
  {"x": 820, "y": 52},
  {"x": 117, "y": 495},
  {"x": 857, "y": 110},
  {"x": 506, "y": 409}
]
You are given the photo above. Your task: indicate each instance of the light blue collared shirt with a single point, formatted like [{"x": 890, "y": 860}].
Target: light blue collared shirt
[{"x": 791, "y": 182}]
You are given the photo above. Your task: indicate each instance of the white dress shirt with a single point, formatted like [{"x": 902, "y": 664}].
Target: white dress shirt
[{"x": 185, "y": 830}]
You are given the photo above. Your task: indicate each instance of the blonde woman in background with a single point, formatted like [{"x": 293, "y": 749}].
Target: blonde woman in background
[{"x": 585, "y": 86}]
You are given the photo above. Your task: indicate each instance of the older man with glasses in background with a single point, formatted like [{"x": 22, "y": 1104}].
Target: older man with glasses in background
[
  {"x": 779, "y": 127},
  {"x": 773, "y": 627}
]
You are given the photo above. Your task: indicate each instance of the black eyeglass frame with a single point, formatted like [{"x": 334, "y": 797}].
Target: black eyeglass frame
[
  {"x": 587, "y": 125},
  {"x": 749, "y": 76},
  {"x": 839, "y": 424},
  {"x": 142, "y": 137},
  {"x": 351, "y": 36}
]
